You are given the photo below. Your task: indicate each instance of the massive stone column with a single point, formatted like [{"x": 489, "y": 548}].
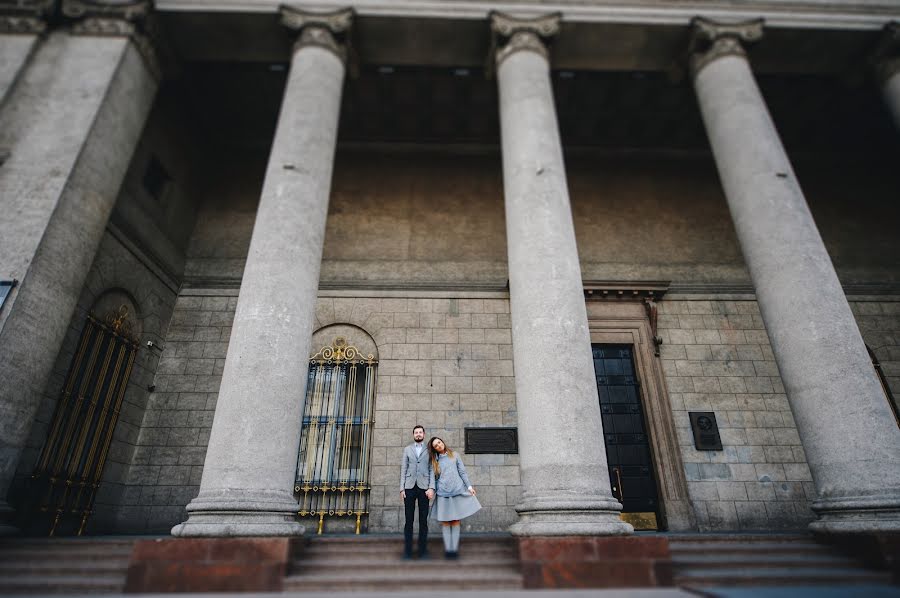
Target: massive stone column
[
  {"x": 70, "y": 125},
  {"x": 888, "y": 70},
  {"x": 565, "y": 481},
  {"x": 851, "y": 441},
  {"x": 248, "y": 476},
  {"x": 21, "y": 25}
]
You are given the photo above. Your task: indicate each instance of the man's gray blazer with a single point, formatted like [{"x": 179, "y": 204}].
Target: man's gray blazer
[{"x": 416, "y": 470}]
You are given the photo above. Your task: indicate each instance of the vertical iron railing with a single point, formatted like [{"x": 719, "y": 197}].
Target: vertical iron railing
[
  {"x": 333, "y": 466},
  {"x": 68, "y": 472}
]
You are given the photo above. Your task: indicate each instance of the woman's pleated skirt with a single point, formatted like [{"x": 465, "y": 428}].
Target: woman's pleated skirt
[{"x": 454, "y": 508}]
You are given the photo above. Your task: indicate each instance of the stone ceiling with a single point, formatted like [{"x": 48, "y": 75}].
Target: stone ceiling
[{"x": 236, "y": 105}]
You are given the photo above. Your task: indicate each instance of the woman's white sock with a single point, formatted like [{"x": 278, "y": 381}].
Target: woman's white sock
[{"x": 448, "y": 538}]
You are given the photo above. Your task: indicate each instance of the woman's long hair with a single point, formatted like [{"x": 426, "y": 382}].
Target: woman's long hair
[{"x": 434, "y": 454}]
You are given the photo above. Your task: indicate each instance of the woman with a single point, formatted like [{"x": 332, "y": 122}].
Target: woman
[{"x": 454, "y": 494}]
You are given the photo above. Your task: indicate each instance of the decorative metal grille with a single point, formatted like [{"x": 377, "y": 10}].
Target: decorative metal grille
[
  {"x": 333, "y": 467},
  {"x": 68, "y": 473}
]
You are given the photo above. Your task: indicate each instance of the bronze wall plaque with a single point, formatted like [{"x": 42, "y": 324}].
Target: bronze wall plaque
[
  {"x": 492, "y": 440},
  {"x": 706, "y": 431}
]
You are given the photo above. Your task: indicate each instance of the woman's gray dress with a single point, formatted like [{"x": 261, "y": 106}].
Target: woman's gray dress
[{"x": 453, "y": 501}]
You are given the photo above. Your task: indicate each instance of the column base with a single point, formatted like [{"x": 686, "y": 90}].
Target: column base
[
  {"x": 240, "y": 513},
  {"x": 550, "y": 516},
  {"x": 7, "y": 515},
  {"x": 7, "y": 530},
  {"x": 862, "y": 515},
  {"x": 595, "y": 562},
  {"x": 208, "y": 565}
]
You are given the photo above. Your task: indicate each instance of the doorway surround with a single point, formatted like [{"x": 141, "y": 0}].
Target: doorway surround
[{"x": 625, "y": 314}]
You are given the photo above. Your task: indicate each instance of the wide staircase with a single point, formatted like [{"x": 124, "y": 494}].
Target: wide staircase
[
  {"x": 487, "y": 562},
  {"x": 705, "y": 560},
  {"x": 360, "y": 563},
  {"x": 64, "y": 565}
]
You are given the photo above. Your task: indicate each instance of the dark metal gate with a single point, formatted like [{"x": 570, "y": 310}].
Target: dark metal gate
[
  {"x": 625, "y": 435},
  {"x": 65, "y": 481}
]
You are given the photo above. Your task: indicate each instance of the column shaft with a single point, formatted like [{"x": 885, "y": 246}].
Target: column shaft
[
  {"x": 563, "y": 457},
  {"x": 891, "y": 91},
  {"x": 851, "y": 441},
  {"x": 14, "y": 52},
  {"x": 248, "y": 476},
  {"x": 70, "y": 124}
]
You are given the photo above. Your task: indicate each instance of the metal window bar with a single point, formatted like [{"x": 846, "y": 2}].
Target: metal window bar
[
  {"x": 65, "y": 481},
  {"x": 333, "y": 465}
]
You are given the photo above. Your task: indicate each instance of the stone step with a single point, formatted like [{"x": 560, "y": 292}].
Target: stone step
[
  {"x": 712, "y": 538},
  {"x": 762, "y": 560},
  {"x": 447, "y": 578},
  {"x": 395, "y": 552},
  {"x": 395, "y": 555},
  {"x": 63, "y": 567},
  {"x": 363, "y": 563},
  {"x": 80, "y": 540},
  {"x": 39, "y": 584},
  {"x": 82, "y": 554},
  {"x": 398, "y": 540},
  {"x": 430, "y": 567},
  {"x": 62, "y": 545},
  {"x": 751, "y": 576},
  {"x": 749, "y": 548}
]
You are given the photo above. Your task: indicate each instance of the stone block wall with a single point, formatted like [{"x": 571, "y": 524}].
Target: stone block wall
[
  {"x": 716, "y": 357},
  {"x": 879, "y": 323},
  {"x": 445, "y": 363},
  {"x": 171, "y": 447},
  {"x": 119, "y": 268}
]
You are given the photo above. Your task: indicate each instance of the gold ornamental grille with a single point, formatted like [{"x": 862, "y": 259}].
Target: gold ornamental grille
[
  {"x": 65, "y": 481},
  {"x": 333, "y": 468}
]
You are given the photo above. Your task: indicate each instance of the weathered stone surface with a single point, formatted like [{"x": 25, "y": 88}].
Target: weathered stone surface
[
  {"x": 14, "y": 53},
  {"x": 208, "y": 565},
  {"x": 248, "y": 474},
  {"x": 71, "y": 125},
  {"x": 595, "y": 562},
  {"x": 891, "y": 88},
  {"x": 852, "y": 447},
  {"x": 565, "y": 491}
]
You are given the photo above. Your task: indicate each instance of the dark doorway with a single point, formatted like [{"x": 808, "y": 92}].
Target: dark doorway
[{"x": 625, "y": 435}]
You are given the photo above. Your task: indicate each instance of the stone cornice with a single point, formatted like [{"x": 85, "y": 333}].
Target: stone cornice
[
  {"x": 711, "y": 40},
  {"x": 25, "y": 16},
  {"x": 886, "y": 58},
  {"x": 117, "y": 18},
  {"x": 625, "y": 290},
  {"x": 330, "y": 31},
  {"x": 869, "y": 15},
  {"x": 126, "y": 10},
  {"x": 512, "y": 34}
]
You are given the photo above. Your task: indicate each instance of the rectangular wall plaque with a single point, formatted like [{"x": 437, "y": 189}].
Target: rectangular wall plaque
[
  {"x": 706, "y": 431},
  {"x": 5, "y": 287},
  {"x": 492, "y": 440}
]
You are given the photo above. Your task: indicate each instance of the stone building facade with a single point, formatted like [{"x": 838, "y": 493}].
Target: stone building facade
[{"x": 475, "y": 199}]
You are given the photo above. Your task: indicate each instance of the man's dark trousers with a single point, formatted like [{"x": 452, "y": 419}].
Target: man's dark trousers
[{"x": 415, "y": 495}]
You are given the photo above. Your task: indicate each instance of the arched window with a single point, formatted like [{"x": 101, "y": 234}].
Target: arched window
[
  {"x": 333, "y": 467},
  {"x": 68, "y": 473}
]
